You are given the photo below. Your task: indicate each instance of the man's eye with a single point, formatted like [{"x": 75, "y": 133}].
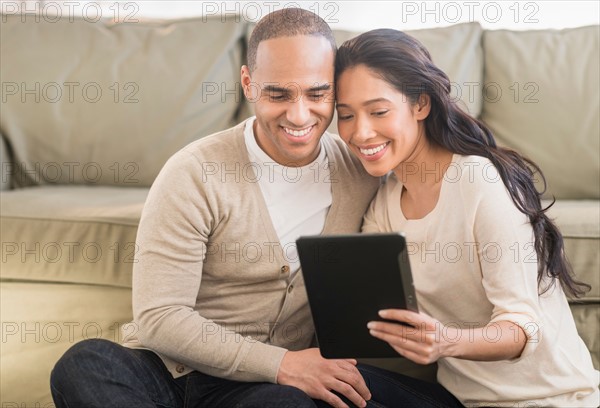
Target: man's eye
[
  {"x": 316, "y": 96},
  {"x": 277, "y": 97}
]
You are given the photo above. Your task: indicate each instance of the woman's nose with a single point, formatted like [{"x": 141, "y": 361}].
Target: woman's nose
[{"x": 363, "y": 130}]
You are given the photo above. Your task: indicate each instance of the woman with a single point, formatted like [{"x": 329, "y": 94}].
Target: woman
[{"x": 488, "y": 264}]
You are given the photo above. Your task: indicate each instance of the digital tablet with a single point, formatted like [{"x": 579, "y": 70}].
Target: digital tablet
[{"x": 349, "y": 278}]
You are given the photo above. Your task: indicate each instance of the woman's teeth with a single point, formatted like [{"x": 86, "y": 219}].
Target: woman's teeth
[
  {"x": 371, "y": 152},
  {"x": 298, "y": 133}
]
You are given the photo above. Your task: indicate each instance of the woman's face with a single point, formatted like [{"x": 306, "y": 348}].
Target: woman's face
[{"x": 379, "y": 124}]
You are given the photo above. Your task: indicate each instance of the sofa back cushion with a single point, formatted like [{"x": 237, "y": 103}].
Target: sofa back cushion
[
  {"x": 541, "y": 98},
  {"x": 108, "y": 104}
]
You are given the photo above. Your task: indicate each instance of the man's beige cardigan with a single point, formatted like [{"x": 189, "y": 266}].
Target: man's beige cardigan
[{"x": 212, "y": 289}]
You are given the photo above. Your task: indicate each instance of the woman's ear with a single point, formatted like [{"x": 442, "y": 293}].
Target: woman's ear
[{"x": 422, "y": 107}]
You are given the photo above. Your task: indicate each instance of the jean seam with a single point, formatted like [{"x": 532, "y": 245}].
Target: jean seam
[
  {"x": 185, "y": 392},
  {"x": 57, "y": 392},
  {"x": 376, "y": 404},
  {"x": 156, "y": 362},
  {"x": 406, "y": 388}
]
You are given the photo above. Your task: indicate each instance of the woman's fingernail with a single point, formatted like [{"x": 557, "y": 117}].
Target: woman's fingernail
[
  {"x": 383, "y": 313},
  {"x": 371, "y": 325}
]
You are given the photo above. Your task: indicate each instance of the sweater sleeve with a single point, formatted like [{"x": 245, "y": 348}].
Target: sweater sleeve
[
  {"x": 172, "y": 238},
  {"x": 505, "y": 245}
]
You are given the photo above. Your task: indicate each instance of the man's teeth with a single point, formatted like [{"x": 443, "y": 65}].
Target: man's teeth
[
  {"x": 298, "y": 133},
  {"x": 371, "y": 152}
]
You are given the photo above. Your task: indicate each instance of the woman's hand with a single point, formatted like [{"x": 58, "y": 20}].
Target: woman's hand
[{"x": 424, "y": 341}]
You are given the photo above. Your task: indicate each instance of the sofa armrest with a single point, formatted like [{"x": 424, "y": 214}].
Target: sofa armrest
[{"x": 5, "y": 165}]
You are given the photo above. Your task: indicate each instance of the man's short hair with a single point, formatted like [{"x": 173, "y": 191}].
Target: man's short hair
[{"x": 287, "y": 22}]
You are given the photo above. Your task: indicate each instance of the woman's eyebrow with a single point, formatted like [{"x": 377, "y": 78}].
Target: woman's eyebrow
[{"x": 365, "y": 103}]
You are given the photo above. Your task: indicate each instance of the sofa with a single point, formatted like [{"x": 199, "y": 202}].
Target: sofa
[{"x": 90, "y": 112}]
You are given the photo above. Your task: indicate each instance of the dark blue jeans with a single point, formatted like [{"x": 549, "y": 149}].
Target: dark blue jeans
[{"x": 100, "y": 373}]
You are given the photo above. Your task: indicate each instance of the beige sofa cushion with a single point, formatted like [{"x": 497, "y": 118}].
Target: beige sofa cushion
[
  {"x": 4, "y": 165},
  {"x": 40, "y": 321},
  {"x": 111, "y": 103},
  {"x": 77, "y": 234},
  {"x": 548, "y": 106},
  {"x": 579, "y": 223},
  {"x": 455, "y": 49}
]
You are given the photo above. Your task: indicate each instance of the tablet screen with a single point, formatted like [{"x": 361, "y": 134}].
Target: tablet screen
[{"x": 348, "y": 279}]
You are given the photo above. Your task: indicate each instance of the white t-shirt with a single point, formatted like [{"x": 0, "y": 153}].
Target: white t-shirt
[
  {"x": 474, "y": 264},
  {"x": 298, "y": 198}
]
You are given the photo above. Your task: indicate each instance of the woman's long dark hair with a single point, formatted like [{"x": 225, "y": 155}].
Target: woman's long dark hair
[{"x": 404, "y": 63}]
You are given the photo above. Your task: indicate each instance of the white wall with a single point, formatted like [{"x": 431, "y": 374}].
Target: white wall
[{"x": 351, "y": 15}]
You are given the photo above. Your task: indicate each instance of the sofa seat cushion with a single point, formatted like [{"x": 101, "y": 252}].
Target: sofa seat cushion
[
  {"x": 41, "y": 320},
  {"x": 77, "y": 234},
  {"x": 579, "y": 222}
]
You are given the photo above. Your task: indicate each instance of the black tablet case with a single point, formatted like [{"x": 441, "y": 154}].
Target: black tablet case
[{"x": 349, "y": 278}]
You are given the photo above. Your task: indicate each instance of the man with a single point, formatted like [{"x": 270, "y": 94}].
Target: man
[{"x": 220, "y": 309}]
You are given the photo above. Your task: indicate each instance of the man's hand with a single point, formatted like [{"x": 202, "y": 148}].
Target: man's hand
[{"x": 318, "y": 377}]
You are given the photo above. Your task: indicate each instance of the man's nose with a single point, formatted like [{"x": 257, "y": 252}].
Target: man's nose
[{"x": 298, "y": 112}]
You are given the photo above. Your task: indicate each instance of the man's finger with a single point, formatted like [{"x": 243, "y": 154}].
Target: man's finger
[
  {"x": 347, "y": 366},
  {"x": 354, "y": 380},
  {"x": 348, "y": 391}
]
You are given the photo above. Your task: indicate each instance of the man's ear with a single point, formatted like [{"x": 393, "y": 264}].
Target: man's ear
[
  {"x": 422, "y": 107},
  {"x": 247, "y": 86}
]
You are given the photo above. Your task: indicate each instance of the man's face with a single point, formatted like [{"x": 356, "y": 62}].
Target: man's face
[{"x": 292, "y": 91}]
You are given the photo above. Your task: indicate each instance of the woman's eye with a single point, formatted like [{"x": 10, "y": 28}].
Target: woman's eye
[
  {"x": 380, "y": 113},
  {"x": 344, "y": 117}
]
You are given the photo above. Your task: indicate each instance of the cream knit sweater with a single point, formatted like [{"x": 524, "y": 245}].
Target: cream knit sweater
[
  {"x": 474, "y": 264},
  {"x": 211, "y": 286}
]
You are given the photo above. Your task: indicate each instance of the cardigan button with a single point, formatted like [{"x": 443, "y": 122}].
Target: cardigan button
[
  {"x": 290, "y": 288},
  {"x": 285, "y": 269}
]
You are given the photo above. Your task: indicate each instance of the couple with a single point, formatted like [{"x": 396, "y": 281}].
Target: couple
[{"x": 220, "y": 310}]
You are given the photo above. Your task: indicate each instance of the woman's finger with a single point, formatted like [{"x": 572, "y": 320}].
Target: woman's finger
[{"x": 401, "y": 315}]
